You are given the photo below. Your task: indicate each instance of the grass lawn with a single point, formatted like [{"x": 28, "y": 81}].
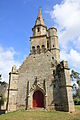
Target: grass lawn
[{"x": 41, "y": 115}]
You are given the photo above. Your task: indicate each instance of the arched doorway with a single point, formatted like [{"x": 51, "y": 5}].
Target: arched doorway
[{"x": 38, "y": 99}]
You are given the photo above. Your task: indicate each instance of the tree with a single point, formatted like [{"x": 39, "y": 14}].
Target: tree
[
  {"x": 75, "y": 75},
  {"x": 2, "y": 100},
  {"x": 2, "y": 94},
  {"x": 76, "y": 95},
  {"x": 78, "y": 82}
]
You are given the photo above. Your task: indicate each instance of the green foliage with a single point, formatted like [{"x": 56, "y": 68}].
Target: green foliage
[
  {"x": 3, "y": 83},
  {"x": 2, "y": 99},
  {"x": 78, "y": 82},
  {"x": 76, "y": 76},
  {"x": 78, "y": 93},
  {"x": 77, "y": 101}
]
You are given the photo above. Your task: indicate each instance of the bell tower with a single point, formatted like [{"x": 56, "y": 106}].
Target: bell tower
[
  {"x": 39, "y": 28},
  {"x": 53, "y": 41},
  {"x": 39, "y": 37}
]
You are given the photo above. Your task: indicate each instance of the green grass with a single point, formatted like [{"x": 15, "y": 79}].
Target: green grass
[{"x": 41, "y": 115}]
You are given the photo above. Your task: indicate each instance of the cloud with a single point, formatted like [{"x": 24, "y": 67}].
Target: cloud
[
  {"x": 73, "y": 57},
  {"x": 7, "y": 60},
  {"x": 66, "y": 16}
]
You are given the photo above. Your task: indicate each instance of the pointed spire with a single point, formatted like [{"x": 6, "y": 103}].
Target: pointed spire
[
  {"x": 39, "y": 18},
  {"x": 39, "y": 15}
]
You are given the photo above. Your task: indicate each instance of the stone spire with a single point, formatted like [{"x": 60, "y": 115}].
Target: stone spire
[{"x": 39, "y": 20}]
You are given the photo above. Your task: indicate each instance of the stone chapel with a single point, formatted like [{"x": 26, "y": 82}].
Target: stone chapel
[{"x": 42, "y": 81}]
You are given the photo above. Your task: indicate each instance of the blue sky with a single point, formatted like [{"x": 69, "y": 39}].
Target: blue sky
[{"x": 17, "y": 17}]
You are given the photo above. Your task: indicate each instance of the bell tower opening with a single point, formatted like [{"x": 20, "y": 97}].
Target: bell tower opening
[
  {"x": 38, "y": 99},
  {"x": 38, "y": 29}
]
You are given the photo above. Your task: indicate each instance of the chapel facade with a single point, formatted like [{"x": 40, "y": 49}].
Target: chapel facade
[{"x": 42, "y": 81}]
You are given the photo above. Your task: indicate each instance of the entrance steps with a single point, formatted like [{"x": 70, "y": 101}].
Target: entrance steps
[{"x": 37, "y": 109}]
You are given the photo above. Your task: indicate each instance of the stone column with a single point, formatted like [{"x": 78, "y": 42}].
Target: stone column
[
  {"x": 46, "y": 99},
  {"x": 28, "y": 95}
]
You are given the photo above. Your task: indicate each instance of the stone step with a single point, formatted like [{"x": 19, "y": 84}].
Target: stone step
[{"x": 37, "y": 109}]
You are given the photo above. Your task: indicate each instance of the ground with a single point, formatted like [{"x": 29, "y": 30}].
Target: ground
[{"x": 41, "y": 115}]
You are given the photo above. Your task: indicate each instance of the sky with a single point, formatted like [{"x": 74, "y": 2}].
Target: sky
[{"x": 17, "y": 18}]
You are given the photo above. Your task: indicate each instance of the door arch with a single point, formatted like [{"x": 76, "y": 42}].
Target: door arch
[{"x": 38, "y": 99}]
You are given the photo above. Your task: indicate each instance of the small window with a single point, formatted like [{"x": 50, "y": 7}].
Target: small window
[
  {"x": 38, "y": 29},
  {"x": 38, "y": 46},
  {"x": 53, "y": 72},
  {"x": 53, "y": 45},
  {"x": 52, "y": 65},
  {"x": 33, "y": 49},
  {"x": 47, "y": 44},
  {"x": 56, "y": 104},
  {"x": 38, "y": 49},
  {"x": 38, "y": 18},
  {"x": 54, "y": 86},
  {"x": 52, "y": 57},
  {"x": 43, "y": 48}
]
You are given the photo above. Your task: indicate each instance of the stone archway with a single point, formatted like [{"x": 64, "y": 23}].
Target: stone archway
[{"x": 38, "y": 99}]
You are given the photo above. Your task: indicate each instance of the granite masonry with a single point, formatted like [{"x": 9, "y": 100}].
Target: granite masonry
[{"x": 42, "y": 81}]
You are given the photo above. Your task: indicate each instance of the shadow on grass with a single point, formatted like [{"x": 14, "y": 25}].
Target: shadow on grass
[{"x": 2, "y": 112}]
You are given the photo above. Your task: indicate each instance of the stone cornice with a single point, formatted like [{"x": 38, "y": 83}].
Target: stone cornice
[
  {"x": 65, "y": 86},
  {"x": 13, "y": 89},
  {"x": 39, "y": 25},
  {"x": 13, "y": 73},
  {"x": 38, "y": 36},
  {"x": 55, "y": 48},
  {"x": 53, "y": 36}
]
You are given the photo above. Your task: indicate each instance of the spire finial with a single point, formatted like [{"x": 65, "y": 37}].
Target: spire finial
[{"x": 39, "y": 12}]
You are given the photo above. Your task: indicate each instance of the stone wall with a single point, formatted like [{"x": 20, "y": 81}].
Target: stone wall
[
  {"x": 12, "y": 90},
  {"x": 40, "y": 67},
  {"x": 41, "y": 72}
]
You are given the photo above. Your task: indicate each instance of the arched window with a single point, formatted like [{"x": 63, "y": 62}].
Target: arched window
[
  {"x": 33, "y": 49},
  {"x": 38, "y": 29},
  {"x": 43, "y": 48},
  {"x": 38, "y": 49}
]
